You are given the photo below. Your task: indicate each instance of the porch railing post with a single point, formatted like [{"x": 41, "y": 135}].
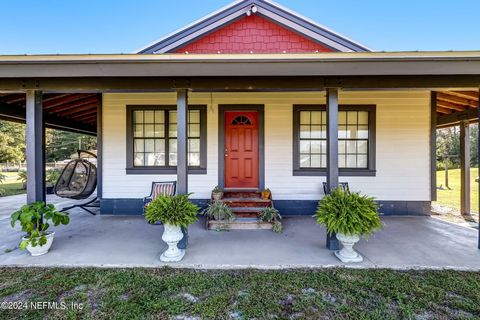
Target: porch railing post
[
  {"x": 182, "y": 141},
  {"x": 332, "y": 152},
  {"x": 465, "y": 168},
  {"x": 35, "y": 150}
]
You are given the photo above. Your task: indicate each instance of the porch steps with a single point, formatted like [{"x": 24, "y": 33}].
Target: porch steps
[{"x": 246, "y": 205}]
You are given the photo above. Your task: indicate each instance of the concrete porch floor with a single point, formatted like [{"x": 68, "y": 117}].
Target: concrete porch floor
[{"x": 128, "y": 241}]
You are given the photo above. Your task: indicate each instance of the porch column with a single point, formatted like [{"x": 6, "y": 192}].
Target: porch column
[
  {"x": 35, "y": 151},
  {"x": 332, "y": 152},
  {"x": 182, "y": 141},
  {"x": 465, "y": 168}
]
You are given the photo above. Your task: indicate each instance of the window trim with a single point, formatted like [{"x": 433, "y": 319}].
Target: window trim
[
  {"x": 131, "y": 169},
  {"x": 352, "y": 172}
]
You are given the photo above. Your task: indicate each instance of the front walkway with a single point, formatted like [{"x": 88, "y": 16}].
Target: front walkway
[{"x": 405, "y": 242}]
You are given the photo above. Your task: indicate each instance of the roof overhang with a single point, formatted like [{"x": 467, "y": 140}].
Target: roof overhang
[{"x": 178, "y": 65}]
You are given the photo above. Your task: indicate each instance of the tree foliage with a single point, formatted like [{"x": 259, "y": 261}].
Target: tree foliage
[
  {"x": 12, "y": 141},
  {"x": 448, "y": 142}
]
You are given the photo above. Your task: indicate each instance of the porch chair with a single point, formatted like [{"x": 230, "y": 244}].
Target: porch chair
[
  {"x": 166, "y": 188},
  {"x": 343, "y": 185}
]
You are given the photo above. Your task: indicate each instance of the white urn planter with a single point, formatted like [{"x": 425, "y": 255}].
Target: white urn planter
[
  {"x": 172, "y": 235},
  {"x": 40, "y": 250},
  {"x": 347, "y": 253}
]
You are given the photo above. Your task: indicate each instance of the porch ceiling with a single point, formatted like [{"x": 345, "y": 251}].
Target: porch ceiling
[
  {"x": 64, "y": 111},
  {"x": 454, "y": 106}
]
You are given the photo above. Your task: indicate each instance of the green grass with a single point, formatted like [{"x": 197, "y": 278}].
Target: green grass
[
  {"x": 451, "y": 198},
  {"x": 303, "y": 294},
  {"x": 11, "y": 186}
]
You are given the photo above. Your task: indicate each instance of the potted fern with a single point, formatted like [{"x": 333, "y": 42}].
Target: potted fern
[
  {"x": 221, "y": 213},
  {"x": 271, "y": 215},
  {"x": 349, "y": 215},
  {"x": 34, "y": 219},
  {"x": 175, "y": 212},
  {"x": 217, "y": 193}
]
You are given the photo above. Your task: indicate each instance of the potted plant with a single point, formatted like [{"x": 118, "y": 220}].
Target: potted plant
[
  {"x": 34, "y": 219},
  {"x": 266, "y": 194},
  {"x": 22, "y": 176},
  {"x": 51, "y": 178},
  {"x": 217, "y": 193},
  {"x": 175, "y": 212},
  {"x": 270, "y": 214},
  {"x": 221, "y": 213},
  {"x": 349, "y": 215}
]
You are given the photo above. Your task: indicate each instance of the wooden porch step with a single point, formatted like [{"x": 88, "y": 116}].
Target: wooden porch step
[
  {"x": 240, "y": 224},
  {"x": 241, "y": 194},
  {"x": 246, "y": 202},
  {"x": 246, "y": 212}
]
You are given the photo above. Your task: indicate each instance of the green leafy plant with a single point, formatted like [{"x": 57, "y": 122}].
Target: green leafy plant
[
  {"x": 175, "y": 210},
  {"x": 270, "y": 214},
  {"x": 217, "y": 189},
  {"x": 2, "y": 180},
  {"x": 52, "y": 176},
  {"x": 34, "y": 219},
  {"x": 218, "y": 210},
  {"x": 22, "y": 176},
  {"x": 348, "y": 213}
]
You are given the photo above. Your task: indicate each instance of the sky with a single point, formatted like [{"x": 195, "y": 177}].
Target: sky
[{"x": 121, "y": 26}]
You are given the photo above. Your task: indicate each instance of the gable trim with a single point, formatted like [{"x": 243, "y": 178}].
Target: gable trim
[{"x": 266, "y": 9}]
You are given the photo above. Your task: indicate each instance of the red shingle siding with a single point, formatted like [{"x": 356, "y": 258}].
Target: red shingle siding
[{"x": 253, "y": 34}]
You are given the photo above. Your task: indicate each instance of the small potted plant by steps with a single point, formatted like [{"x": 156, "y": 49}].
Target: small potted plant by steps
[
  {"x": 349, "y": 215},
  {"x": 270, "y": 214},
  {"x": 217, "y": 193},
  {"x": 51, "y": 178},
  {"x": 34, "y": 219},
  {"x": 220, "y": 213},
  {"x": 174, "y": 212},
  {"x": 266, "y": 194}
]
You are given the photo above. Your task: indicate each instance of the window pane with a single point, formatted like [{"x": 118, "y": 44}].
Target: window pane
[
  {"x": 323, "y": 144},
  {"x": 149, "y": 116},
  {"x": 363, "y": 117},
  {"x": 138, "y": 130},
  {"x": 342, "y": 146},
  {"x": 149, "y": 145},
  {"x": 172, "y": 131},
  {"x": 323, "y": 133},
  {"x": 159, "y": 130},
  {"x": 316, "y": 117},
  {"x": 323, "y": 158},
  {"x": 150, "y": 159},
  {"x": 304, "y": 117},
  {"x": 172, "y": 159},
  {"x": 159, "y": 116},
  {"x": 159, "y": 145},
  {"x": 149, "y": 130},
  {"x": 194, "y": 159},
  {"x": 342, "y": 161},
  {"x": 138, "y": 159},
  {"x": 304, "y": 161},
  {"x": 159, "y": 159},
  {"x": 351, "y": 146},
  {"x": 172, "y": 145},
  {"x": 342, "y": 117},
  {"x": 352, "y": 132},
  {"x": 138, "y": 116},
  {"x": 362, "y": 161},
  {"x": 194, "y": 116},
  {"x": 138, "y": 145},
  {"x": 352, "y": 117},
  {"x": 193, "y": 145},
  {"x": 315, "y": 161},
  {"x": 351, "y": 161},
  {"x": 362, "y": 132},
  {"x": 172, "y": 117},
  {"x": 362, "y": 146},
  {"x": 305, "y": 132},
  {"x": 316, "y": 132},
  {"x": 315, "y": 146},
  {"x": 324, "y": 117},
  {"x": 342, "y": 132},
  {"x": 304, "y": 146},
  {"x": 194, "y": 130}
]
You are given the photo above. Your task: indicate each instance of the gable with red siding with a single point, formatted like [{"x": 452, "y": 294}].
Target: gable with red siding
[{"x": 253, "y": 34}]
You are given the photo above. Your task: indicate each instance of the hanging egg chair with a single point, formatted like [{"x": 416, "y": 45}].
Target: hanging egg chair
[{"x": 78, "y": 179}]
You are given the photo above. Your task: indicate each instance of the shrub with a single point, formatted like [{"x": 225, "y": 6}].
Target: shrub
[
  {"x": 22, "y": 176},
  {"x": 218, "y": 210},
  {"x": 52, "y": 176},
  {"x": 348, "y": 213},
  {"x": 34, "y": 220},
  {"x": 174, "y": 210},
  {"x": 270, "y": 214}
]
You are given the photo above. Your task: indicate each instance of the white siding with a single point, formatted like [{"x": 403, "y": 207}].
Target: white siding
[{"x": 402, "y": 144}]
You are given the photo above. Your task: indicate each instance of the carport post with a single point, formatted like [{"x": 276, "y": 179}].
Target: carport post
[
  {"x": 465, "y": 168},
  {"x": 332, "y": 152},
  {"x": 182, "y": 141},
  {"x": 35, "y": 151}
]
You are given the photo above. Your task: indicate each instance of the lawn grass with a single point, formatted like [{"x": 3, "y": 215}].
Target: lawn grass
[
  {"x": 451, "y": 198},
  {"x": 12, "y": 185},
  {"x": 302, "y": 294}
]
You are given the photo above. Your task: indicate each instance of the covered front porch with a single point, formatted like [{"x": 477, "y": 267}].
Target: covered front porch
[{"x": 128, "y": 241}]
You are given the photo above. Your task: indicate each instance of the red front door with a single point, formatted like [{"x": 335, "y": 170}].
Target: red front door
[{"x": 241, "y": 149}]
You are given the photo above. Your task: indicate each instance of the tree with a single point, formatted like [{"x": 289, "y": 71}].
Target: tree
[{"x": 12, "y": 141}]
